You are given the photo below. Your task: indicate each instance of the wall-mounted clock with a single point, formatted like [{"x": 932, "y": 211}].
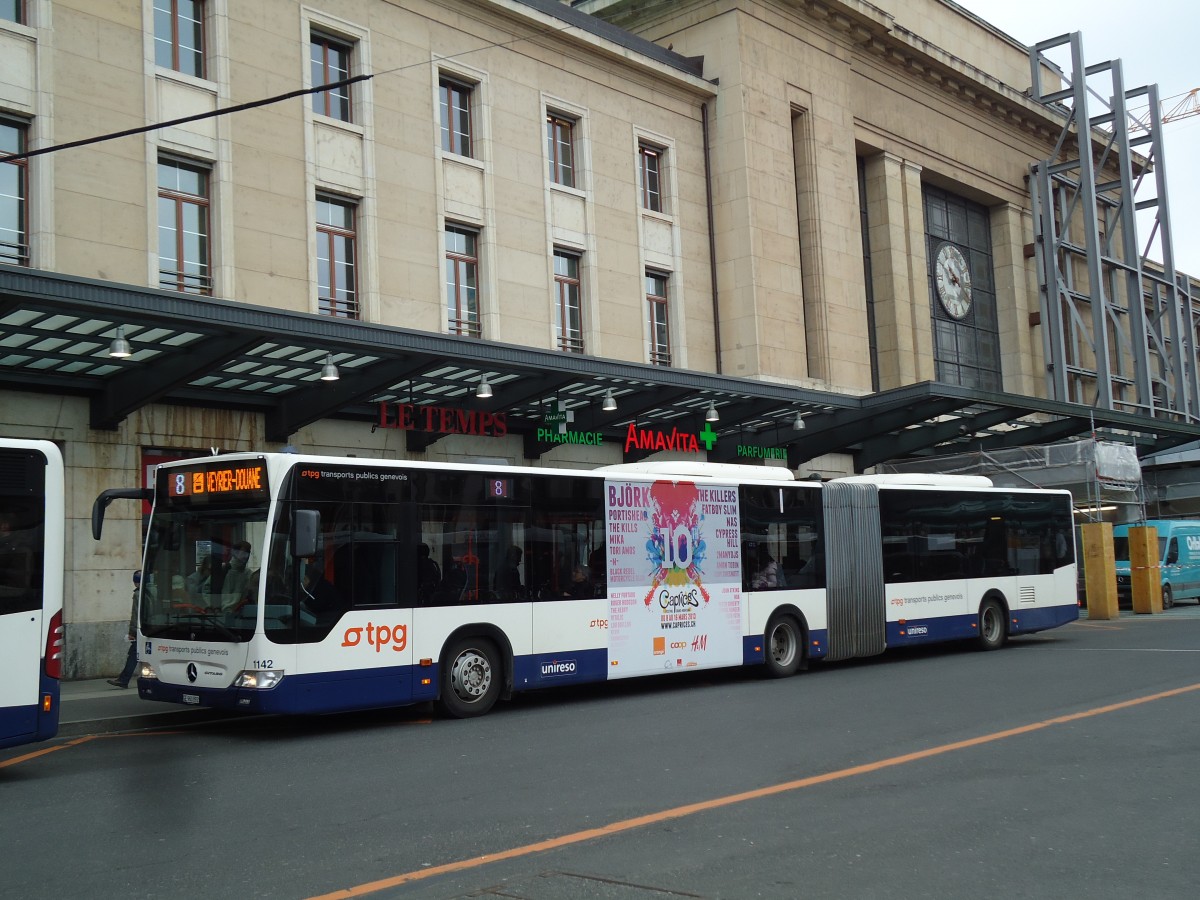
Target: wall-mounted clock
[{"x": 953, "y": 281}]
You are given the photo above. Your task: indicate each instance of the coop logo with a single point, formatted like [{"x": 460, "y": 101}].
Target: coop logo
[{"x": 558, "y": 667}]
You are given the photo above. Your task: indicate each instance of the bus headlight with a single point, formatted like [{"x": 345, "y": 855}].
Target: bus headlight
[
  {"x": 148, "y": 672},
  {"x": 258, "y": 679}
]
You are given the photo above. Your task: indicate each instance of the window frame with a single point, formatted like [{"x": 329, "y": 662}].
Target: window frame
[
  {"x": 659, "y": 305},
  {"x": 652, "y": 199},
  {"x": 200, "y": 53},
  {"x": 568, "y": 295},
  {"x": 452, "y": 139},
  {"x": 20, "y": 13},
  {"x": 23, "y": 251},
  {"x": 181, "y": 281},
  {"x": 323, "y": 101},
  {"x": 561, "y": 173},
  {"x": 459, "y": 262},
  {"x": 329, "y": 233}
]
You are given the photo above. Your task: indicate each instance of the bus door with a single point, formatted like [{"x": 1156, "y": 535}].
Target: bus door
[{"x": 854, "y": 595}]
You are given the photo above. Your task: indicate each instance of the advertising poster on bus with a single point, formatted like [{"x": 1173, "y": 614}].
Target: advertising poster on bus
[{"x": 674, "y": 577}]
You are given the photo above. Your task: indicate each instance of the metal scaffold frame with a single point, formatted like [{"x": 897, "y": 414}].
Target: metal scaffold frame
[{"x": 1119, "y": 329}]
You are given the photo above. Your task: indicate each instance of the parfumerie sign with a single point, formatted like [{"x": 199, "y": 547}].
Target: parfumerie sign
[{"x": 442, "y": 419}]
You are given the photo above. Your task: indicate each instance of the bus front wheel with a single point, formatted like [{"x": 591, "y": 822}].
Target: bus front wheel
[
  {"x": 993, "y": 629},
  {"x": 471, "y": 678},
  {"x": 783, "y": 643}
]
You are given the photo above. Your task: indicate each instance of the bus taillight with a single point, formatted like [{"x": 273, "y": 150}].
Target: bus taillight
[{"x": 54, "y": 646}]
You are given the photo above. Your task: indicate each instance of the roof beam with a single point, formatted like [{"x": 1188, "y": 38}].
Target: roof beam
[
  {"x": 892, "y": 446},
  {"x": 324, "y": 399},
  {"x": 141, "y": 384},
  {"x": 837, "y": 431}
]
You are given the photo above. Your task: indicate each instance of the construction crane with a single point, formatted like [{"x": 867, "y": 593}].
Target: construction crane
[{"x": 1188, "y": 105}]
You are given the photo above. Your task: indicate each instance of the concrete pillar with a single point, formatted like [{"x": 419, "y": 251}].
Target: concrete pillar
[
  {"x": 1145, "y": 574},
  {"x": 1100, "y": 570}
]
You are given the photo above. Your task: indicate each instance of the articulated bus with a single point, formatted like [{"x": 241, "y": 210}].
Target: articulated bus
[
  {"x": 285, "y": 583},
  {"x": 32, "y": 540}
]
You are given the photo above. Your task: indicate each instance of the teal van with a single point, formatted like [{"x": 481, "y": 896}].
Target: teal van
[{"x": 1178, "y": 554}]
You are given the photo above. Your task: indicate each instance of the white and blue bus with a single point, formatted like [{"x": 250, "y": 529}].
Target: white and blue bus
[
  {"x": 32, "y": 536},
  {"x": 297, "y": 584}
]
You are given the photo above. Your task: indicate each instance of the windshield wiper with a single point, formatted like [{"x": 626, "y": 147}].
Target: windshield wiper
[{"x": 211, "y": 619}]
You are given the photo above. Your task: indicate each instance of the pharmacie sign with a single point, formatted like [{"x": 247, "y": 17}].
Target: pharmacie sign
[
  {"x": 442, "y": 419},
  {"x": 554, "y": 436}
]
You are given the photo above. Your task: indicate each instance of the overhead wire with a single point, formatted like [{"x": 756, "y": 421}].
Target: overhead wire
[{"x": 266, "y": 101}]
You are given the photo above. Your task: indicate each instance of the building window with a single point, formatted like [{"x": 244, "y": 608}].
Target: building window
[
  {"x": 660, "y": 328},
  {"x": 962, "y": 291},
  {"x": 456, "y": 117},
  {"x": 560, "y": 149},
  {"x": 568, "y": 311},
  {"x": 331, "y": 64},
  {"x": 13, "y": 11},
  {"x": 650, "y": 173},
  {"x": 183, "y": 205},
  {"x": 462, "y": 285},
  {"x": 337, "y": 293},
  {"x": 14, "y": 196},
  {"x": 179, "y": 35}
]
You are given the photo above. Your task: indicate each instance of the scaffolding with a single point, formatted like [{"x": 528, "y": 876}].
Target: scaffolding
[
  {"x": 1104, "y": 477},
  {"x": 1119, "y": 329}
]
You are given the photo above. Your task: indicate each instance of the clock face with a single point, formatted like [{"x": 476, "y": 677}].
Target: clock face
[{"x": 953, "y": 281}]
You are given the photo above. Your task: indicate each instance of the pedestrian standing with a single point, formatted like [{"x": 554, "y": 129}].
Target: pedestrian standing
[{"x": 122, "y": 680}]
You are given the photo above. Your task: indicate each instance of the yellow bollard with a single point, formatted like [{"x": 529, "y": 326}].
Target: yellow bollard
[
  {"x": 1100, "y": 570},
  {"x": 1145, "y": 574}
]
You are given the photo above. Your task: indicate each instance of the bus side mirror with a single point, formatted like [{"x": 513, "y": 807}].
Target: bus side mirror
[
  {"x": 107, "y": 497},
  {"x": 306, "y": 528}
]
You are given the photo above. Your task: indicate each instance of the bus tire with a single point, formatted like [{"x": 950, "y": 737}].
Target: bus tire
[
  {"x": 1168, "y": 597},
  {"x": 783, "y": 646},
  {"x": 993, "y": 625},
  {"x": 472, "y": 677}
]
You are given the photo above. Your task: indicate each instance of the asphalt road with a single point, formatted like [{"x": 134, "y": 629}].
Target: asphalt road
[{"x": 1061, "y": 766}]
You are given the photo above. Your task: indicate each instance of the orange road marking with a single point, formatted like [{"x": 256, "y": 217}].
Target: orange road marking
[
  {"x": 76, "y": 742},
  {"x": 679, "y": 812},
  {"x": 36, "y": 753}
]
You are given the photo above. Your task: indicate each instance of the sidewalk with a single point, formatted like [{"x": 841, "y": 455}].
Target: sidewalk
[{"x": 96, "y": 707}]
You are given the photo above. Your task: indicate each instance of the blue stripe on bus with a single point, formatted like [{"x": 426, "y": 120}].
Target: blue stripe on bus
[
  {"x": 27, "y": 723},
  {"x": 1027, "y": 621},
  {"x": 932, "y": 630},
  {"x": 316, "y": 693},
  {"x": 950, "y": 628},
  {"x": 568, "y": 667}
]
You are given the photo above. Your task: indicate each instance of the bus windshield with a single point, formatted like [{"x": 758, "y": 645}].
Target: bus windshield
[{"x": 200, "y": 580}]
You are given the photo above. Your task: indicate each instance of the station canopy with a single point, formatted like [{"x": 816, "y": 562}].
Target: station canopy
[{"x": 56, "y": 332}]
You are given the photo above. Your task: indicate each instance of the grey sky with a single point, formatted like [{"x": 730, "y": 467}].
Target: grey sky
[{"x": 1156, "y": 43}]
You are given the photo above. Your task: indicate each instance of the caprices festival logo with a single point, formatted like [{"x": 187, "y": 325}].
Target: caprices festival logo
[{"x": 675, "y": 549}]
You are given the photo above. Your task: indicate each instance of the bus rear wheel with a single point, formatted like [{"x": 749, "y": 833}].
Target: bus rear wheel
[
  {"x": 471, "y": 678},
  {"x": 993, "y": 629},
  {"x": 783, "y": 643}
]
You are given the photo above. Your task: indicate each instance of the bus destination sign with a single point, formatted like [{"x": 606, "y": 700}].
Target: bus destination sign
[{"x": 243, "y": 479}]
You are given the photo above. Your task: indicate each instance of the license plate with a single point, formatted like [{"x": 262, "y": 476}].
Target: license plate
[{"x": 193, "y": 699}]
